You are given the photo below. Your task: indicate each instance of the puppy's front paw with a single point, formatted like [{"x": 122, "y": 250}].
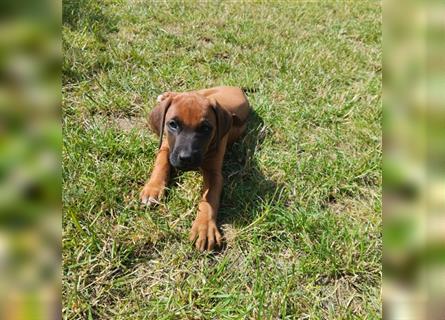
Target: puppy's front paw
[
  {"x": 207, "y": 234},
  {"x": 150, "y": 195}
]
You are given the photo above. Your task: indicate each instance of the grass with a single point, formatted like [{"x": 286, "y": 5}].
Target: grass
[{"x": 301, "y": 206}]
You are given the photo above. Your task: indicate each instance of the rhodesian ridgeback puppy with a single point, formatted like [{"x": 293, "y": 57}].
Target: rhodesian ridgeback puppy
[{"x": 199, "y": 125}]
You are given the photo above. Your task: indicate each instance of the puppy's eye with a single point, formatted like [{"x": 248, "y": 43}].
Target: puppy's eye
[
  {"x": 173, "y": 125},
  {"x": 204, "y": 129}
]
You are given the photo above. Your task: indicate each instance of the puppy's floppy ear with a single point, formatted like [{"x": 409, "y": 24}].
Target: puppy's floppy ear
[
  {"x": 223, "y": 120},
  {"x": 157, "y": 117}
]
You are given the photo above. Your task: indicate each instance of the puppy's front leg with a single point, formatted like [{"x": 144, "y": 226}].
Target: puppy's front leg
[
  {"x": 155, "y": 186},
  {"x": 204, "y": 227}
]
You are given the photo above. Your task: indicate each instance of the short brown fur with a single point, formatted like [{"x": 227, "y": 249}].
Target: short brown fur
[{"x": 227, "y": 109}]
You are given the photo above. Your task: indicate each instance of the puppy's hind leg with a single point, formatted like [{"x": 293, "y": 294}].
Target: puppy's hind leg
[{"x": 235, "y": 133}]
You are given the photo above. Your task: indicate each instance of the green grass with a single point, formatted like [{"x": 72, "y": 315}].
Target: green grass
[{"x": 301, "y": 206}]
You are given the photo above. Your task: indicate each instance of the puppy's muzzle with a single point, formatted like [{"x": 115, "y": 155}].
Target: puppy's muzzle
[{"x": 186, "y": 160}]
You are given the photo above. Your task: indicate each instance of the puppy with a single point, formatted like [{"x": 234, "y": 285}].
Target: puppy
[{"x": 199, "y": 125}]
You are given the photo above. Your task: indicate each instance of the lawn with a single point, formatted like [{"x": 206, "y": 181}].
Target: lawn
[{"x": 301, "y": 206}]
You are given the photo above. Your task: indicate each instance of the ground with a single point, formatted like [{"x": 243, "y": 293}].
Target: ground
[{"x": 301, "y": 206}]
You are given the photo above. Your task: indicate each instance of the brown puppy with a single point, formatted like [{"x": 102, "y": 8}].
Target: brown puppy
[{"x": 199, "y": 126}]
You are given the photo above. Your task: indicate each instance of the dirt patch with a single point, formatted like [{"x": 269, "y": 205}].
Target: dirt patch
[{"x": 128, "y": 124}]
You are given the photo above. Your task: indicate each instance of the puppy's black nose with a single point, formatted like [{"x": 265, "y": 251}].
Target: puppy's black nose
[{"x": 185, "y": 157}]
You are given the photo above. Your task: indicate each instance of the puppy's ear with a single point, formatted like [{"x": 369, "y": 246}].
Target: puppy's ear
[
  {"x": 223, "y": 120},
  {"x": 157, "y": 117}
]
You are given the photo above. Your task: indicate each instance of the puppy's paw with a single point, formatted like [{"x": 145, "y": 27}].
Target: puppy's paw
[
  {"x": 150, "y": 195},
  {"x": 206, "y": 234}
]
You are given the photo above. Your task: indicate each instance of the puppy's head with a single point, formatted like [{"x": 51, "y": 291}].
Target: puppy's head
[{"x": 193, "y": 124}]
